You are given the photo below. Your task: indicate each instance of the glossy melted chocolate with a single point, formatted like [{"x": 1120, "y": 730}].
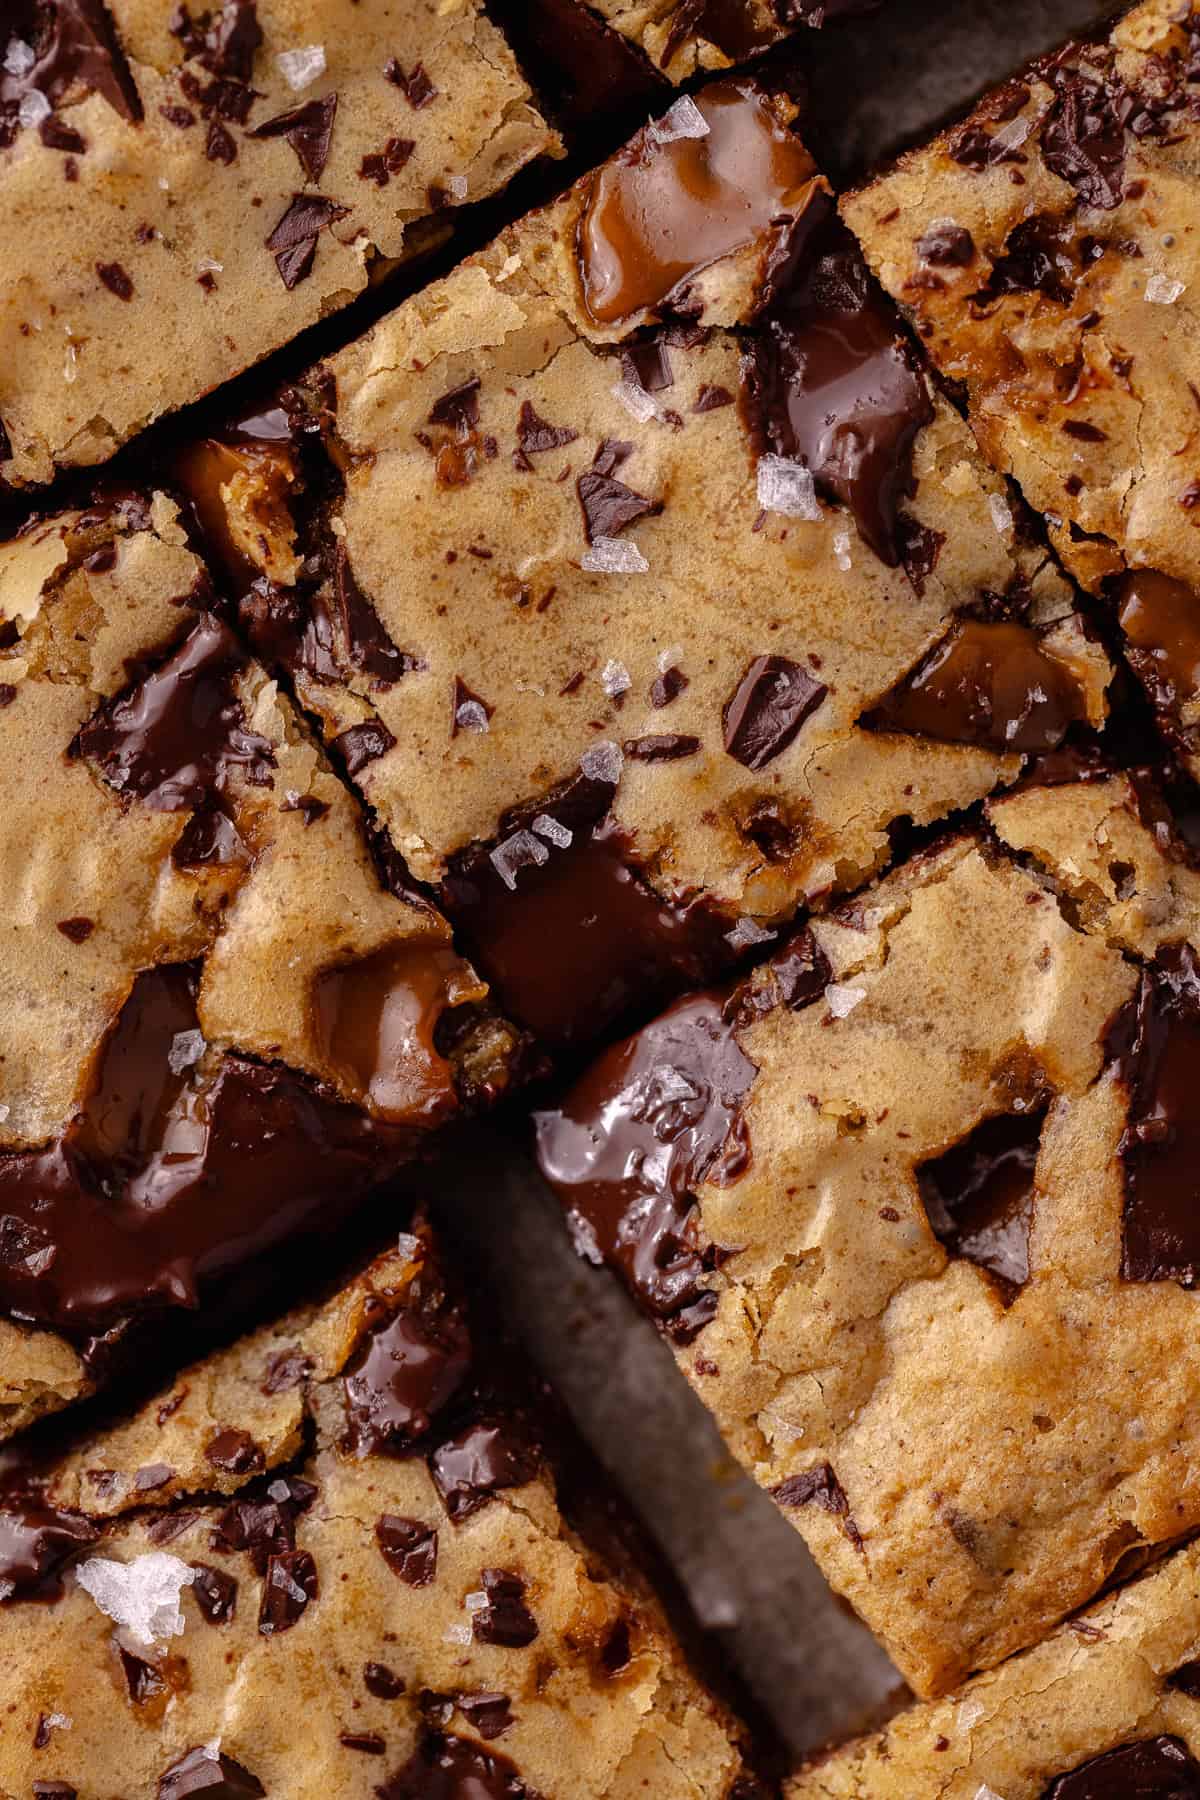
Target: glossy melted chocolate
[
  {"x": 75, "y": 47},
  {"x": 979, "y": 1196},
  {"x": 986, "y": 684},
  {"x": 1160, "y": 1768},
  {"x": 451, "y": 1768},
  {"x": 1161, "y": 622}
]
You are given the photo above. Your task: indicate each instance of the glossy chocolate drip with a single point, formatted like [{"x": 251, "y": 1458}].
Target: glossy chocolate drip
[
  {"x": 979, "y": 1197},
  {"x": 1155, "y": 1046},
  {"x": 1160, "y": 619},
  {"x": 37, "y": 1543},
  {"x": 74, "y": 44},
  {"x": 587, "y": 70},
  {"x": 484, "y": 1457},
  {"x": 653, "y": 1118},
  {"x": 376, "y": 1022},
  {"x": 833, "y": 383},
  {"x": 569, "y": 935},
  {"x": 1160, "y": 1768},
  {"x": 659, "y": 212},
  {"x": 404, "y": 1374},
  {"x": 986, "y": 684},
  {"x": 450, "y": 1768},
  {"x": 173, "y": 740}
]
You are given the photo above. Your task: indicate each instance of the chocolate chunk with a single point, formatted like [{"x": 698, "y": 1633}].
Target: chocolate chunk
[
  {"x": 766, "y": 710},
  {"x": 288, "y": 1585},
  {"x": 205, "y": 1771},
  {"x": 505, "y": 1620},
  {"x": 173, "y": 740},
  {"x": 37, "y": 1543},
  {"x": 450, "y": 1768},
  {"x": 225, "y": 43},
  {"x": 403, "y": 1375},
  {"x": 535, "y": 434},
  {"x": 795, "y": 977},
  {"x": 711, "y": 398},
  {"x": 362, "y": 744},
  {"x": 78, "y": 930},
  {"x": 591, "y": 70},
  {"x": 458, "y": 408},
  {"x": 1083, "y": 140},
  {"x": 215, "y": 1593},
  {"x": 986, "y": 684},
  {"x": 490, "y": 1714},
  {"x": 919, "y": 547},
  {"x": 381, "y": 1681},
  {"x": 380, "y": 165},
  {"x": 979, "y": 1197},
  {"x": 946, "y": 246},
  {"x": 647, "y": 364},
  {"x": 142, "y": 1679},
  {"x": 416, "y": 86},
  {"x": 283, "y": 629},
  {"x": 667, "y": 687},
  {"x": 608, "y": 505},
  {"x": 115, "y": 280},
  {"x": 664, "y": 746},
  {"x": 54, "y": 1790},
  {"x": 819, "y": 1486},
  {"x": 219, "y": 146},
  {"x": 832, "y": 382},
  {"x": 1160, "y": 619},
  {"x": 659, "y": 212},
  {"x": 1160, "y": 1768},
  {"x": 1186, "y": 1680},
  {"x": 152, "y": 1477},
  {"x": 308, "y": 129},
  {"x": 478, "y": 1462},
  {"x": 1155, "y": 1045},
  {"x": 234, "y": 1452},
  {"x": 265, "y": 1526},
  {"x": 74, "y": 44},
  {"x": 294, "y": 238},
  {"x": 287, "y": 1369},
  {"x": 1038, "y": 257},
  {"x": 310, "y": 808},
  {"x": 210, "y": 839},
  {"x": 652, "y": 1119},
  {"x": 409, "y": 1548},
  {"x": 367, "y": 643}
]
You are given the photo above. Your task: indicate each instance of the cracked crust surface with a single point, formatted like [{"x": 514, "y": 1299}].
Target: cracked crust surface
[
  {"x": 145, "y": 276},
  {"x": 156, "y": 941},
  {"x": 1111, "y": 1677},
  {"x": 971, "y": 1430},
  {"x": 1047, "y": 251},
  {"x": 396, "y": 1640}
]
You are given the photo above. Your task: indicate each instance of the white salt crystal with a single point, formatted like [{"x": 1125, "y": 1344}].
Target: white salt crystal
[
  {"x": 843, "y": 1000},
  {"x": 1001, "y": 513},
  {"x": 584, "y": 1238},
  {"x": 516, "y": 853},
  {"x": 747, "y": 932},
  {"x": 683, "y": 120},
  {"x": 476, "y": 1601},
  {"x": 615, "y": 678},
  {"x": 279, "y": 1490},
  {"x": 670, "y": 659},
  {"x": 613, "y": 556},
  {"x": 1012, "y": 135},
  {"x": 984, "y": 1792},
  {"x": 841, "y": 549},
  {"x": 208, "y": 265},
  {"x": 58, "y": 1721},
  {"x": 636, "y": 401},
  {"x": 603, "y": 762},
  {"x": 70, "y": 359},
  {"x": 670, "y": 1084},
  {"x": 19, "y": 57},
  {"x": 5, "y": 1109},
  {"x": 142, "y": 1595},
  {"x": 34, "y": 108},
  {"x": 470, "y": 716},
  {"x": 553, "y": 831},
  {"x": 1160, "y": 289},
  {"x": 457, "y": 1634},
  {"x": 300, "y": 68},
  {"x": 968, "y": 1714},
  {"x": 457, "y": 185},
  {"x": 187, "y": 1047},
  {"x": 786, "y": 487}
]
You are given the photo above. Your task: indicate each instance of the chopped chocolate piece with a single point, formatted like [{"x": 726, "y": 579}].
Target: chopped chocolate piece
[
  {"x": 287, "y": 1369},
  {"x": 478, "y": 1462},
  {"x": 265, "y": 1527},
  {"x": 37, "y": 1543},
  {"x": 1160, "y": 1768},
  {"x": 450, "y": 1768},
  {"x": 711, "y": 398},
  {"x": 662, "y": 746},
  {"x": 979, "y": 1197},
  {"x": 367, "y": 643},
  {"x": 670, "y": 1100},
  {"x": 919, "y": 546},
  {"x": 234, "y": 1452},
  {"x": 946, "y": 245},
  {"x": 226, "y": 44},
  {"x": 1186, "y": 1679},
  {"x": 368, "y": 1743},
  {"x": 308, "y": 129},
  {"x": 1083, "y": 139},
  {"x": 153, "y": 1476},
  {"x": 608, "y": 505},
  {"x": 78, "y": 930},
  {"x": 362, "y": 744},
  {"x": 506, "y": 1619},
  {"x": 409, "y": 1548},
  {"x": 416, "y": 86},
  {"x": 1161, "y": 622},
  {"x": 489, "y": 1714},
  {"x": 294, "y": 238},
  {"x": 667, "y": 687},
  {"x": 205, "y": 1771},
  {"x": 215, "y": 1593},
  {"x": 766, "y": 710},
  {"x": 381, "y": 1681},
  {"x": 405, "y": 1373},
  {"x": 72, "y": 42},
  {"x": 288, "y": 1585},
  {"x": 535, "y": 434},
  {"x": 988, "y": 684},
  {"x": 116, "y": 280},
  {"x": 142, "y": 1679}
]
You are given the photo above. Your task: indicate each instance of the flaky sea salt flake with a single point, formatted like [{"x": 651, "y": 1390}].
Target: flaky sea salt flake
[
  {"x": 841, "y": 550},
  {"x": 787, "y": 487},
  {"x": 142, "y": 1595},
  {"x": 1001, "y": 513},
  {"x": 457, "y": 185},
  {"x": 842, "y": 1000},
  {"x": 187, "y": 1047},
  {"x": 613, "y": 556},
  {"x": 553, "y": 831},
  {"x": 603, "y": 762},
  {"x": 615, "y": 678},
  {"x": 747, "y": 932},
  {"x": 683, "y": 120},
  {"x": 300, "y": 68},
  {"x": 470, "y": 715},
  {"x": 19, "y": 57},
  {"x": 637, "y": 402},
  {"x": 1161, "y": 290},
  {"x": 34, "y": 108}
]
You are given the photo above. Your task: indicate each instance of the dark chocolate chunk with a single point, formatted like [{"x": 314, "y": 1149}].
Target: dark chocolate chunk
[
  {"x": 819, "y": 1486},
  {"x": 152, "y": 1477},
  {"x": 1186, "y": 1680},
  {"x": 142, "y": 1679},
  {"x": 946, "y": 246},
  {"x": 1155, "y": 1045},
  {"x": 986, "y": 684},
  {"x": 78, "y": 930},
  {"x": 215, "y": 1593},
  {"x": 286, "y": 1369},
  {"x": 416, "y": 86},
  {"x": 490, "y": 1714},
  {"x": 919, "y": 546},
  {"x": 362, "y": 744},
  {"x": 174, "y": 738},
  {"x": 450, "y": 1768},
  {"x": 308, "y": 129},
  {"x": 667, "y": 687},
  {"x": 535, "y": 434},
  {"x": 409, "y": 1548},
  {"x": 206, "y": 1772},
  {"x": 115, "y": 279},
  {"x": 367, "y": 643},
  {"x": 505, "y": 1620},
  {"x": 210, "y": 839},
  {"x": 54, "y": 1790},
  {"x": 458, "y": 408},
  {"x": 406, "y": 1371},
  {"x": 711, "y": 398},
  {"x": 294, "y": 238},
  {"x": 652, "y": 1119},
  {"x": 795, "y": 977},
  {"x": 37, "y": 1543},
  {"x": 663, "y": 746},
  {"x": 647, "y": 364},
  {"x": 979, "y": 1197},
  {"x": 1160, "y": 619},
  {"x": 73, "y": 43},
  {"x": 381, "y": 1681},
  {"x": 608, "y": 505},
  {"x": 310, "y": 808},
  {"x": 832, "y": 381},
  {"x": 265, "y": 1526},
  {"x": 234, "y": 1452},
  {"x": 1083, "y": 140},
  {"x": 478, "y": 1462},
  {"x": 288, "y": 1585},
  {"x": 1160, "y": 1768},
  {"x": 380, "y": 165},
  {"x": 766, "y": 710},
  {"x": 219, "y": 146},
  {"x": 1038, "y": 257},
  {"x": 591, "y": 70}
]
